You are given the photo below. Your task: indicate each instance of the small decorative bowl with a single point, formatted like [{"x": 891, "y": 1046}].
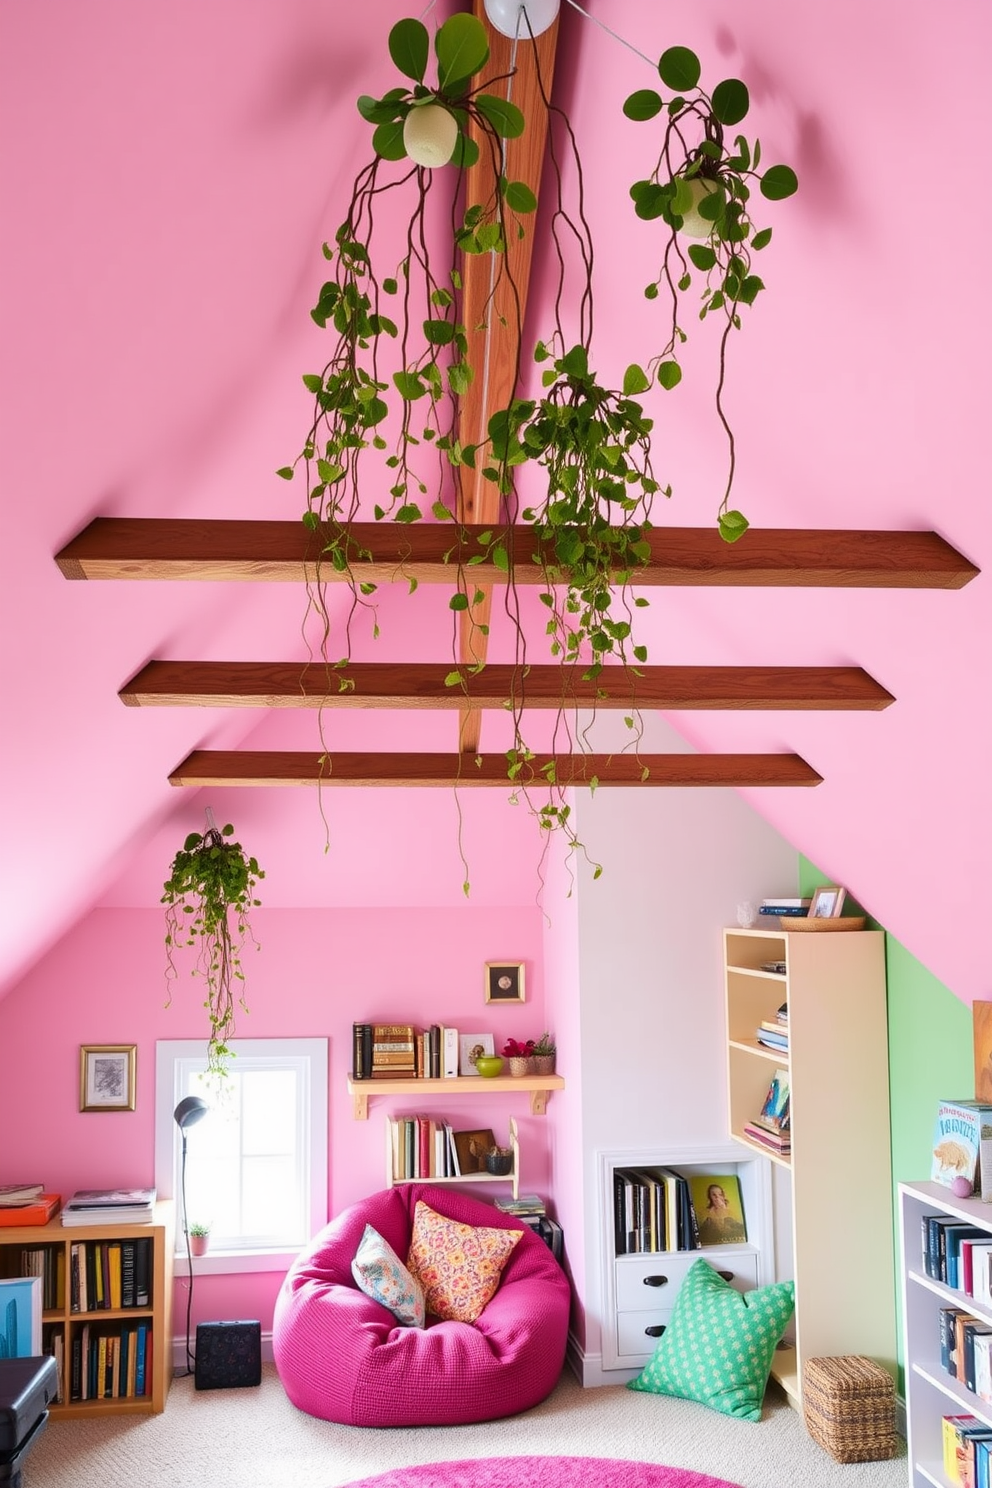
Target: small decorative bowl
[
  {"x": 499, "y": 1163},
  {"x": 489, "y": 1065}
]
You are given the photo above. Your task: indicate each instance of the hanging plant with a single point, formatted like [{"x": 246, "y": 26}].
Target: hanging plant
[
  {"x": 700, "y": 188},
  {"x": 209, "y": 896}
]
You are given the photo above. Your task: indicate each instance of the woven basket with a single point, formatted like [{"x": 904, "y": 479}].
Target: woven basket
[
  {"x": 844, "y": 922},
  {"x": 849, "y": 1408}
]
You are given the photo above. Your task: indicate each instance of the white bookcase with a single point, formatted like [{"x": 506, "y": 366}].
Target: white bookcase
[
  {"x": 931, "y": 1393},
  {"x": 639, "y": 1290}
]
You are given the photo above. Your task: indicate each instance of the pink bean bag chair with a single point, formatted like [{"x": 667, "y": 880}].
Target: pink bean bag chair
[{"x": 343, "y": 1357}]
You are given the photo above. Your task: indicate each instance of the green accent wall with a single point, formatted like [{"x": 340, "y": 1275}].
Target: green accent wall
[{"x": 931, "y": 1054}]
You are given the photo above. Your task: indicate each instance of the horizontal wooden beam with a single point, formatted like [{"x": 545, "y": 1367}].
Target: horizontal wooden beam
[
  {"x": 181, "y": 548},
  {"x": 405, "y": 685},
  {"x": 205, "y": 767}
]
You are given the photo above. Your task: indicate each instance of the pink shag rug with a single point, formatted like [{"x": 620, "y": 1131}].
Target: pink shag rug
[{"x": 541, "y": 1472}]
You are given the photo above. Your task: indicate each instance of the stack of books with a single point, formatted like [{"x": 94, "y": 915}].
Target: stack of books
[
  {"x": 786, "y": 907},
  {"x": 27, "y": 1204},
  {"x": 772, "y": 1126},
  {"x": 531, "y": 1209},
  {"x": 90, "y": 1206},
  {"x": 773, "y": 1033},
  {"x": 394, "y": 1051}
]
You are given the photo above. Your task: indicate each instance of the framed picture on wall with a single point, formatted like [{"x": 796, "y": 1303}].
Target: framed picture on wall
[
  {"x": 504, "y": 981},
  {"x": 107, "y": 1077}
]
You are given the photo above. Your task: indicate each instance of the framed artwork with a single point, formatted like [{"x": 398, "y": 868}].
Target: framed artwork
[
  {"x": 471, "y": 1147},
  {"x": 504, "y": 981},
  {"x": 828, "y": 901},
  {"x": 106, "y": 1077},
  {"x": 716, "y": 1198},
  {"x": 470, "y": 1046}
]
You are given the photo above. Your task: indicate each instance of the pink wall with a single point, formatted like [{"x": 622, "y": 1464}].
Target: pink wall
[{"x": 316, "y": 972}]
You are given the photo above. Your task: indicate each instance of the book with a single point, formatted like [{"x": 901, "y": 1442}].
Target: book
[
  {"x": 449, "y": 1052},
  {"x": 957, "y": 1142},
  {"x": 774, "y": 1112},
  {"x": 20, "y": 1317},
  {"x": 44, "y": 1208},
  {"x": 784, "y": 911},
  {"x": 789, "y": 902},
  {"x": 780, "y": 1142},
  {"x": 953, "y": 1236},
  {"x": 115, "y": 1205},
  {"x": 983, "y": 1366},
  {"x": 950, "y": 1426},
  {"x": 13, "y": 1194},
  {"x": 716, "y": 1198}
]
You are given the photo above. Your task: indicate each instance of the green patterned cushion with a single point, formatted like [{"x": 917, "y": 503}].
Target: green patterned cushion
[{"x": 718, "y": 1347}]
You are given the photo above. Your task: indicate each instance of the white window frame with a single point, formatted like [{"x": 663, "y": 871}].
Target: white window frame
[{"x": 172, "y": 1059}]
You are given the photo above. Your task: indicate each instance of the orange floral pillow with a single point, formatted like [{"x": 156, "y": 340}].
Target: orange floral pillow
[{"x": 458, "y": 1265}]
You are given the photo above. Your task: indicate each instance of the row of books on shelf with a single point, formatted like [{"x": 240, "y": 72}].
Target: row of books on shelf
[
  {"x": 660, "y": 1209},
  {"x": 967, "y": 1451},
  {"x": 959, "y": 1254},
  {"x": 965, "y": 1343},
  {"x": 109, "y": 1274},
  {"x": 422, "y": 1148},
  {"x": 392, "y": 1051},
  {"x": 44, "y": 1261},
  {"x": 110, "y": 1363}
]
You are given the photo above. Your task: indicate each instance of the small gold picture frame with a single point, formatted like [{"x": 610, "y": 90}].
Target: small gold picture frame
[
  {"x": 827, "y": 902},
  {"x": 504, "y": 981},
  {"x": 107, "y": 1077}
]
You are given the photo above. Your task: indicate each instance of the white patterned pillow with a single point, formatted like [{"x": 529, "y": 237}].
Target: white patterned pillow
[{"x": 381, "y": 1274}]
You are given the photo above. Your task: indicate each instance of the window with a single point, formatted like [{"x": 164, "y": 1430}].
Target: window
[{"x": 256, "y": 1164}]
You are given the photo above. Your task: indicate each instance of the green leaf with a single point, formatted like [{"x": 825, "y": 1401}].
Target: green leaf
[
  {"x": 439, "y": 332},
  {"x": 384, "y": 110},
  {"x": 408, "y": 512},
  {"x": 635, "y": 380},
  {"x": 575, "y": 363},
  {"x": 731, "y": 101},
  {"x": 313, "y": 382},
  {"x": 285, "y": 472},
  {"x": 461, "y": 48},
  {"x": 651, "y": 291},
  {"x": 703, "y": 257},
  {"x": 761, "y": 239},
  {"x": 505, "y": 118},
  {"x": 644, "y": 104},
  {"x": 669, "y": 375},
  {"x": 649, "y": 199},
  {"x": 520, "y": 198},
  {"x": 458, "y": 602},
  {"x": 679, "y": 68},
  {"x": 409, "y": 385},
  {"x": 750, "y": 288},
  {"x": 453, "y": 679},
  {"x": 466, "y": 154},
  {"x": 778, "y": 182},
  {"x": 389, "y": 286},
  {"x": 732, "y": 524},
  {"x": 387, "y": 141},
  {"x": 409, "y": 45}
]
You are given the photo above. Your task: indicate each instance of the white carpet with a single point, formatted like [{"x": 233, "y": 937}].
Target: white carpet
[{"x": 254, "y": 1438}]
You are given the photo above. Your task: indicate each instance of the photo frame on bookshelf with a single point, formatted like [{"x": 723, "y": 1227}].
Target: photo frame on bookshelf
[
  {"x": 827, "y": 903},
  {"x": 470, "y": 1046},
  {"x": 107, "y": 1077},
  {"x": 471, "y": 1147}
]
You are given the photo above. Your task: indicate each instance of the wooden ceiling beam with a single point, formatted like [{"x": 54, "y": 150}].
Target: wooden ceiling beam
[
  {"x": 404, "y": 685},
  {"x": 152, "y": 548},
  {"x": 204, "y": 767}
]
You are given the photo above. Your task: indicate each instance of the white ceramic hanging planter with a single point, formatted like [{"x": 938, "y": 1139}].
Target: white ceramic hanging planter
[{"x": 430, "y": 134}]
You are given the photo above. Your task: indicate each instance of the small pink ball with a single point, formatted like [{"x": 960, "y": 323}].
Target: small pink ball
[{"x": 962, "y": 1188}]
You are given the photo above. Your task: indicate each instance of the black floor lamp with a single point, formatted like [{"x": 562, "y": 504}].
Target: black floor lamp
[{"x": 189, "y": 1111}]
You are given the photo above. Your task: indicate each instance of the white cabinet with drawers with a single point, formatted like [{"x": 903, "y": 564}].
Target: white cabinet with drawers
[{"x": 639, "y": 1290}]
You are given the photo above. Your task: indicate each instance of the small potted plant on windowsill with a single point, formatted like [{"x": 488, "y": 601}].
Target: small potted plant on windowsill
[
  {"x": 519, "y": 1056},
  {"x": 199, "y": 1238},
  {"x": 544, "y": 1054}
]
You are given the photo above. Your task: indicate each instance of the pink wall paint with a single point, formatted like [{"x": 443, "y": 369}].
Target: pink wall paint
[{"x": 316, "y": 972}]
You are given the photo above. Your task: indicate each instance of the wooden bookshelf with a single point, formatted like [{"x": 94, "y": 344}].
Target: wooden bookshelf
[
  {"x": 57, "y": 1239},
  {"x": 538, "y": 1087}
]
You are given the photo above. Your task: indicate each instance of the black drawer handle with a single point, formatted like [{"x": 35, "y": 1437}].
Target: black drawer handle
[
  {"x": 727, "y": 1275},
  {"x": 655, "y": 1330},
  {"x": 655, "y": 1280}
]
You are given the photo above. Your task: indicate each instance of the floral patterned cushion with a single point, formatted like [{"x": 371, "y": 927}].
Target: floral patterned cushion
[
  {"x": 718, "y": 1346},
  {"x": 380, "y": 1273},
  {"x": 458, "y": 1265}
]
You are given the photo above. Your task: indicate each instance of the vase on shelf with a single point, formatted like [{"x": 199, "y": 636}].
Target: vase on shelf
[
  {"x": 544, "y": 1064},
  {"x": 520, "y": 1065}
]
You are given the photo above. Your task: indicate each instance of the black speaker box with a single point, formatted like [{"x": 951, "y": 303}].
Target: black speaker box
[{"x": 228, "y": 1355}]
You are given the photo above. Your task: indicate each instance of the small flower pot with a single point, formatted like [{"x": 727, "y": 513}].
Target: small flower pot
[
  {"x": 499, "y": 1163},
  {"x": 519, "y": 1065},
  {"x": 544, "y": 1064},
  {"x": 199, "y": 1244}
]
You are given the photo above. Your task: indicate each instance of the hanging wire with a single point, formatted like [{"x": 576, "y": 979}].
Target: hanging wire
[{"x": 652, "y": 62}]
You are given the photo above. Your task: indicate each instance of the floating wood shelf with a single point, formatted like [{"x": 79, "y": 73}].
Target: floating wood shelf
[
  {"x": 207, "y": 767},
  {"x": 204, "y": 549},
  {"x": 539, "y": 1087},
  {"x": 257, "y": 684}
]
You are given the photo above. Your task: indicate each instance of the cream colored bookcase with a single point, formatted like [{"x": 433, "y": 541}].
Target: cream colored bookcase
[
  {"x": 838, "y": 1178},
  {"x": 56, "y": 1240},
  {"x": 930, "y": 1391}
]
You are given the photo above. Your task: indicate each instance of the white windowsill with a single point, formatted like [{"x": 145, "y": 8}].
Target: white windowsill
[{"x": 227, "y": 1262}]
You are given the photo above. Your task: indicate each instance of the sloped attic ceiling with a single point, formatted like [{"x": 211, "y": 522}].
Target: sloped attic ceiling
[{"x": 169, "y": 177}]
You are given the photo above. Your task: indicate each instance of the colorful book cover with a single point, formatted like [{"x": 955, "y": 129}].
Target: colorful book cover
[
  {"x": 957, "y": 1140},
  {"x": 20, "y": 1317},
  {"x": 716, "y": 1199}
]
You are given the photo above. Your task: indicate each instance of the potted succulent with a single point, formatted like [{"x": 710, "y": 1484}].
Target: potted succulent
[
  {"x": 199, "y": 1238},
  {"x": 544, "y": 1054},
  {"x": 499, "y": 1161},
  {"x": 209, "y": 896},
  {"x": 519, "y": 1056}
]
